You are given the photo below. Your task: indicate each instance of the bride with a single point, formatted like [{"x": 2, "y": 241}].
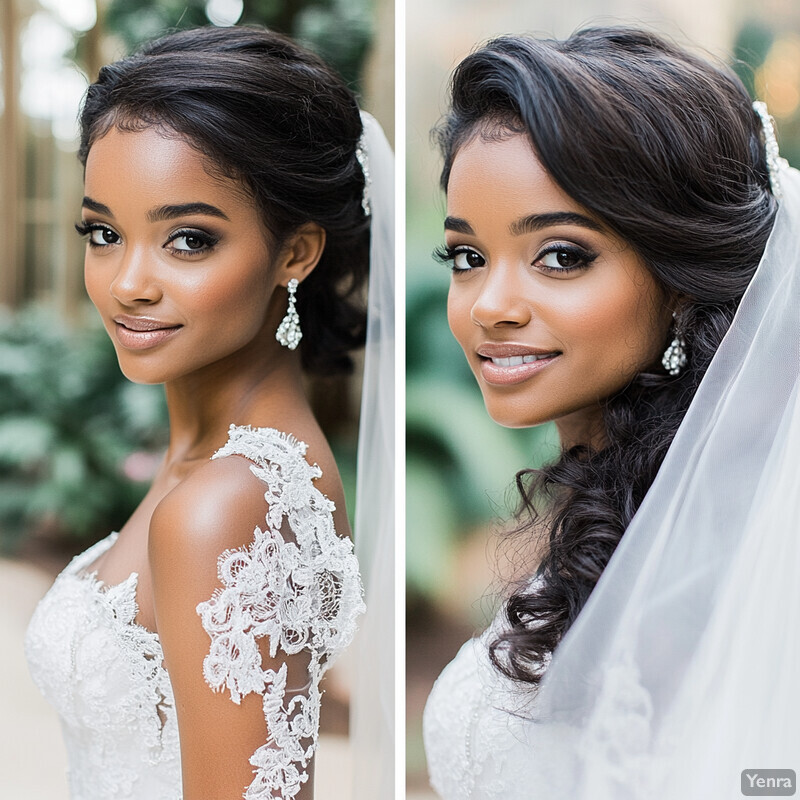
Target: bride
[
  {"x": 227, "y": 218},
  {"x": 623, "y": 239}
]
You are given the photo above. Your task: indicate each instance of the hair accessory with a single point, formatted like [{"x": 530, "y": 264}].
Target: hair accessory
[
  {"x": 774, "y": 161},
  {"x": 363, "y": 160},
  {"x": 674, "y": 358},
  {"x": 289, "y": 333}
]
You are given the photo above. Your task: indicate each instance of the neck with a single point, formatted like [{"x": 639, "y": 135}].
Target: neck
[
  {"x": 584, "y": 427},
  {"x": 252, "y": 388}
]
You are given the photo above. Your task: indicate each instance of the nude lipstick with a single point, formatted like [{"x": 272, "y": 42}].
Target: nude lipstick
[{"x": 142, "y": 333}]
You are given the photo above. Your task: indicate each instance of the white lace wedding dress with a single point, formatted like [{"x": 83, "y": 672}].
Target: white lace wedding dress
[
  {"x": 473, "y": 716},
  {"x": 105, "y": 676}
]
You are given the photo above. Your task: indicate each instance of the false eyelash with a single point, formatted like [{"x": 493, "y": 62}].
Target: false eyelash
[
  {"x": 85, "y": 228},
  {"x": 209, "y": 239},
  {"x": 446, "y": 255},
  {"x": 586, "y": 257}
]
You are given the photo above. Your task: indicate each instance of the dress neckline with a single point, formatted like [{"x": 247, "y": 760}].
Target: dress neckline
[{"x": 80, "y": 568}]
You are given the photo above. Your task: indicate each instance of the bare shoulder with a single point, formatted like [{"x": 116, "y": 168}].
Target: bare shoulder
[
  {"x": 216, "y": 508},
  {"x": 305, "y": 441}
]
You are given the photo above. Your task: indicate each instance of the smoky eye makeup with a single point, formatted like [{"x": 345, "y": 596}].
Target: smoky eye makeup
[
  {"x": 191, "y": 241},
  {"x": 459, "y": 258},
  {"x": 563, "y": 257},
  {"x": 97, "y": 235}
]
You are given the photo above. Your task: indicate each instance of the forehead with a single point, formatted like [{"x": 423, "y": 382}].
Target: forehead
[
  {"x": 154, "y": 166},
  {"x": 502, "y": 174}
]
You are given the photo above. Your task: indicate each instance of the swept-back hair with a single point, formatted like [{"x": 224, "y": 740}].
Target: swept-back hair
[{"x": 665, "y": 148}]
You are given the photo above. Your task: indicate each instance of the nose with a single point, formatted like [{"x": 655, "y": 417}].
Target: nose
[
  {"x": 501, "y": 301},
  {"x": 135, "y": 280}
]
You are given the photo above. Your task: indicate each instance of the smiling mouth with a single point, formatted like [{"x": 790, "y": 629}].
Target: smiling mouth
[
  {"x": 511, "y": 370},
  {"x": 142, "y": 333},
  {"x": 516, "y": 361}
]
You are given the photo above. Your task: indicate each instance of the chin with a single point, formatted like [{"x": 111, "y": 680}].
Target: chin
[
  {"x": 136, "y": 376},
  {"x": 513, "y": 417},
  {"x": 139, "y": 372}
]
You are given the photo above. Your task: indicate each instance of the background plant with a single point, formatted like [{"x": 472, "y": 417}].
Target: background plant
[{"x": 78, "y": 441}]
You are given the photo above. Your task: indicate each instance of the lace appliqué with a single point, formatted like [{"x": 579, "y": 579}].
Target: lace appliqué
[
  {"x": 303, "y": 595},
  {"x": 473, "y": 720},
  {"x": 105, "y": 676},
  {"x": 617, "y": 743}
]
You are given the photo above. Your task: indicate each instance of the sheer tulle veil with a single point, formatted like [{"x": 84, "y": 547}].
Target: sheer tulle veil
[
  {"x": 372, "y": 710},
  {"x": 682, "y": 669}
]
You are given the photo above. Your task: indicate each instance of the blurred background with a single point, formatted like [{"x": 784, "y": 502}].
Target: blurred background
[
  {"x": 78, "y": 442},
  {"x": 460, "y": 465}
]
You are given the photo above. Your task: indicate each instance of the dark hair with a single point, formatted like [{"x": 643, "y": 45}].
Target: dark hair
[
  {"x": 666, "y": 149},
  {"x": 267, "y": 112}
]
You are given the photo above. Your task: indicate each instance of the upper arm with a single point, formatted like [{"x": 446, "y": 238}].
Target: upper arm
[{"x": 216, "y": 510}]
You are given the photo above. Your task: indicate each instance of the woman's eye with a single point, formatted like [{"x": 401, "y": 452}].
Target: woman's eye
[
  {"x": 188, "y": 242},
  {"x": 191, "y": 242},
  {"x": 561, "y": 258},
  {"x": 564, "y": 259},
  {"x": 467, "y": 259},
  {"x": 100, "y": 236}
]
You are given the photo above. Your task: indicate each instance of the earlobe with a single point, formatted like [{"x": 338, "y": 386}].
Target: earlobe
[{"x": 302, "y": 253}]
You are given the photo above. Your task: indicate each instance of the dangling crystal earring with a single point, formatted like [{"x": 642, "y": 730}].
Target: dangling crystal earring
[
  {"x": 674, "y": 358},
  {"x": 289, "y": 333}
]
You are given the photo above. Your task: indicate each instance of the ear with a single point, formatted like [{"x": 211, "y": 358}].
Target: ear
[
  {"x": 675, "y": 302},
  {"x": 300, "y": 253}
]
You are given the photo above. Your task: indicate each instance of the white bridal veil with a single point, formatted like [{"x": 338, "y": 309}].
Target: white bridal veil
[
  {"x": 372, "y": 714},
  {"x": 683, "y": 669}
]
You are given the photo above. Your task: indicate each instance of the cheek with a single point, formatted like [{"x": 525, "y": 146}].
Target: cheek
[
  {"x": 620, "y": 327},
  {"x": 231, "y": 294},
  {"x": 96, "y": 283},
  {"x": 458, "y": 313}
]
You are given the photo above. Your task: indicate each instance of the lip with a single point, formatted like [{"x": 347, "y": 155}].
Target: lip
[
  {"x": 509, "y": 375},
  {"x": 142, "y": 333}
]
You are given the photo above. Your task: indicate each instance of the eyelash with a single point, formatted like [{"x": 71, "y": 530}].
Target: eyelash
[
  {"x": 87, "y": 228},
  {"x": 447, "y": 255},
  {"x": 207, "y": 240}
]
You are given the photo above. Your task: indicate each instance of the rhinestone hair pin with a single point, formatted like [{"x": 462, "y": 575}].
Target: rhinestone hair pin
[
  {"x": 361, "y": 156},
  {"x": 774, "y": 160}
]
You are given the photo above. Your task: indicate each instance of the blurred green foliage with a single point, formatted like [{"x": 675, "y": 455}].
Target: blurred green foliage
[
  {"x": 750, "y": 50},
  {"x": 69, "y": 422},
  {"x": 338, "y": 30},
  {"x": 755, "y": 41}
]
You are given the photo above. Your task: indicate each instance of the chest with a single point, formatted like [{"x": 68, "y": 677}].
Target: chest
[{"x": 129, "y": 553}]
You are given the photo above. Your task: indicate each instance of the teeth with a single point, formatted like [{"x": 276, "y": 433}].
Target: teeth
[{"x": 516, "y": 361}]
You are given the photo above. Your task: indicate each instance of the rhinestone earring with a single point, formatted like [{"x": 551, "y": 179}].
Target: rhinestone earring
[
  {"x": 674, "y": 358},
  {"x": 289, "y": 333}
]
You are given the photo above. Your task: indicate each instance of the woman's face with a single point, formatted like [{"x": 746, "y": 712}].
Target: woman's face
[
  {"x": 177, "y": 261},
  {"x": 554, "y": 313}
]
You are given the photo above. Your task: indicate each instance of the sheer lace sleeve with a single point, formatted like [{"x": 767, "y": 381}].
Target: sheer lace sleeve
[{"x": 297, "y": 583}]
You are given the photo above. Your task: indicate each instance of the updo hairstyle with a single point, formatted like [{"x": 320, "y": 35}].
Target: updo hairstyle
[{"x": 268, "y": 113}]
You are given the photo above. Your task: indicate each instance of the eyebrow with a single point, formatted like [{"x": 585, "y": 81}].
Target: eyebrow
[
  {"x": 162, "y": 213},
  {"x": 185, "y": 209},
  {"x": 93, "y": 205},
  {"x": 458, "y": 225},
  {"x": 533, "y": 222}
]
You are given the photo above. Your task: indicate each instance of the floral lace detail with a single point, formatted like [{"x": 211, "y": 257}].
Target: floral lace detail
[
  {"x": 302, "y": 595},
  {"x": 105, "y": 676},
  {"x": 473, "y": 718},
  {"x": 616, "y": 746}
]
